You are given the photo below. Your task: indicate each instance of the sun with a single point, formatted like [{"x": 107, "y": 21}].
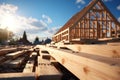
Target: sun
[{"x": 9, "y": 22}]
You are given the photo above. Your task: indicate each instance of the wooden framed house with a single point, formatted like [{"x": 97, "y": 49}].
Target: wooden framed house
[{"x": 92, "y": 23}]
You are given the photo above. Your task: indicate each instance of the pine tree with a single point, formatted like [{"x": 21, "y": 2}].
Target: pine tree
[
  {"x": 24, "y": 35},
  {"x": 36, "y": 41},
  {"x": 47, "y": 41}
]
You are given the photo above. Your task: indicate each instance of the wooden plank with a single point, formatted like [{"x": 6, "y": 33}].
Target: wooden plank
[
  {"x": 16, "y": 63},
  {"x": 17, "y": 76},
  {"x": 14, "y": 55},
  {"x": 101, "y": 50},
  {"x": 24, "y": 48},
  {"x": 2, "y": 59},
  {"x": 114, "y": 43},
  {"x": 13, "y": 63},
  {"x": 5, "y": 51},
  {"x": 29, "y": 67},
  {"x": 46, "y": 71},
  {"x": 85, "y": 68},
  {"x": 33, "y": 55},
  {"x": 30, "y": 63}
]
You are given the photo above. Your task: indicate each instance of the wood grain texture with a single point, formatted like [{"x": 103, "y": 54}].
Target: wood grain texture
[
  {"x": 85, "y": 68},
  {"x": 47, "y": 71},
  {"x": 17, "y": 76},
  {"x": 101, "y": 50}
]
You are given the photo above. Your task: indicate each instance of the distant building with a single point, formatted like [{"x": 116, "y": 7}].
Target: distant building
[{"x": 92, "y": 23}]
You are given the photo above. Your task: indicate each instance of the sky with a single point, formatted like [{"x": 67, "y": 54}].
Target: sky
[{"x": 43, "y": 18}]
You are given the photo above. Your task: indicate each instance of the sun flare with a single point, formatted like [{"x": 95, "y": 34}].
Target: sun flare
[{"x": 9, "y": 22}]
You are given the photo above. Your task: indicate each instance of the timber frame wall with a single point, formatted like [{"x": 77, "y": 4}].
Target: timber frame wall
[{"x": 94, "y": 22}]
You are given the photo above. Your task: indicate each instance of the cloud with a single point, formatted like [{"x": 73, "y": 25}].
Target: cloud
[
  {"x": 47, "y": 19},
  {"x": 8, "y": 8},
  {"x": 16, "y": 23},
  {"x": 53, "y": 30},
  {"x": 118, "y": 7},
  {"x": 119, "y": 19},
  {"x": 80, "y": 1},
  {"x": 44, "y": 34}
]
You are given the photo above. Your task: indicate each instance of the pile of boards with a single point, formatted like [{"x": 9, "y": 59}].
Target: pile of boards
[
  {"x": 12, "y": 60},
  {"x": 88, "y": 62}
]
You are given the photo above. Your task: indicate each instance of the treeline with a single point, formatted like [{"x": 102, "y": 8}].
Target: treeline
[
  {"x": 6, "y": 38},
  {"x": 37, "y": 41},
  {"x": 5, "y": 35}
]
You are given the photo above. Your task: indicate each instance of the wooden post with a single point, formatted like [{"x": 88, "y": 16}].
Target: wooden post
[
  {"x": 115, "y": 30},
  {"x": 84, "y": 28},
  {"x": 89, "y": 24},
  {"x": 106, "y": 22}
]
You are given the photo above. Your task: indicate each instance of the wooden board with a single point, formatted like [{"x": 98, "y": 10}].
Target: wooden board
[
  {"x": 114, "y": 44},
  {"x": 101, "y": 50},
  {"x": 17, "y": 76},
  {"x": 14, "y": 55},
  {"x": 13, "y": 63},
  {"x": 30, "y": 63},
  {"x": 46, "y": 71},
  {"x": 5, "y": 51},
  {"x": 2, "y": 59},
  {"x": 85, "y": 68},
  {"x": 28, "y": 68}
]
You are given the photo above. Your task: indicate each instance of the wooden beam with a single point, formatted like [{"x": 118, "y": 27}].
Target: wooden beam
[
  {"x": 29, "y": 67},
  {"x": 110, "y": 27},
  {"x": 98, "y": 10},
  {"x": 115, "y": 30},
  {"x": 14, "y": 55},
  {"x": 101, "y": 50},
  {"x": 17, "y": 76},
  {"x": 106, "y": 23},
  {"x": 89, "y": 23},
  {"x": 85, "y": 68},
  {"x": 5, "y": 51},
  {"x": 16, "y": 63},
  {"x": 2, "y": 59},
  {"x": 46, "y": 71}
]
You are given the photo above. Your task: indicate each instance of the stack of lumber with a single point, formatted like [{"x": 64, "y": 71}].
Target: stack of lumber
[
  {"x": 46, "y": 71},
  {"x": 89, "y": 62},
  {"x": 13, "y": 63},
  {"x": 5, "y": 51},
  {"x": 30, "y": 63},
  {"x": 14, "y": 55},
  {"x": 13, "y": 60},
  {"x": 2, "y": 59},
  {"x": 17, "y": 76}
]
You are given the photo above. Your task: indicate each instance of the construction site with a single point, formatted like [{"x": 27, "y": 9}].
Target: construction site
[{"x": 87, "y": 47}]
